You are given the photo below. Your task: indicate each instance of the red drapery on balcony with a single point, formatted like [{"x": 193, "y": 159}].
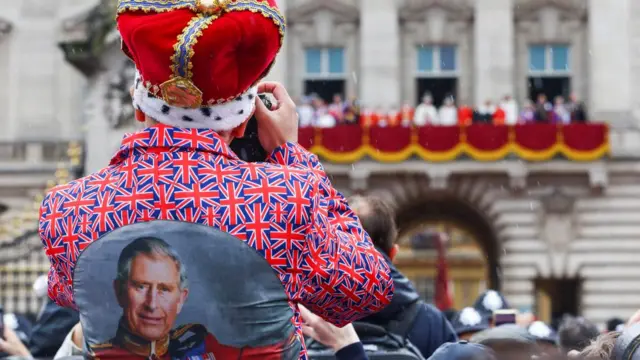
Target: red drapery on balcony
[{"x": 482, "y": 142}]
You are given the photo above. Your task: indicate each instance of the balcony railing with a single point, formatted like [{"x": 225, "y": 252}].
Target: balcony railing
[{"x": 481, "y": 142}]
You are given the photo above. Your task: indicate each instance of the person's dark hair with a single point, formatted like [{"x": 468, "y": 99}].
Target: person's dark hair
[
  {"x": 378, "y": 220},
  {"x": 613, "y": 323},
  {"x": 576, "y": 333}
]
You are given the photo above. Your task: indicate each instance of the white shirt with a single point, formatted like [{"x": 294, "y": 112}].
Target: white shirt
[
  {"x": 426, "y": 115},
  {"x": 306, "y": 115},
  {"x": 448, "y": 116},
  {"x": 510, "y": 111}
]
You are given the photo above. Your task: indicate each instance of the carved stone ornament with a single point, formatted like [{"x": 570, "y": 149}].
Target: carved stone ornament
[
  {"x": 305, "y": 12},
  {"x": 569, "y": 9},
  {"x": 456, "y": 10},
  {"x": 558, "y": 203},
  {"x": 118, "y": 107}
]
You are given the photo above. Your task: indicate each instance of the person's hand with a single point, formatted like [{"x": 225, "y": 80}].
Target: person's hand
[
  {"x": 12, "y": 345},
  {"x": 325, "y": 333},
  {"x": 279, "y": 125}
]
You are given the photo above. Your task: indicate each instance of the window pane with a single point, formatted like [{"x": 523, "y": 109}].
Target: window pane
[
  {"x": 336, "y": 60},
  {"x": 447, "y": 58},
  {"x": 537, "y": 58},
  {"x": 560, "y": 57},
  {"x": 314, "y": 61},
  {"x": 425, "y": 59}
]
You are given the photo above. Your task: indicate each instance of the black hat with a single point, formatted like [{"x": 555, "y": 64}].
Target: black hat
[
  {"x": 463, "y": 350},
  {"x": 469, "y": 320},
  {"x": 489, "y": 302},
  {"x": 542, "y": 332}
]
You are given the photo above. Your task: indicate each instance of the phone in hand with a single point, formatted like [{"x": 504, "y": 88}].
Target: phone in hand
[
  {"x": 502, "y": 317},
  {"x": 248, "y": 148}
]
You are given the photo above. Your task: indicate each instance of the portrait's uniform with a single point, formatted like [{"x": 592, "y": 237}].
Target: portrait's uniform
[
  {"x": 191, "y": 341},
  {"x": 197, "y": 70}
]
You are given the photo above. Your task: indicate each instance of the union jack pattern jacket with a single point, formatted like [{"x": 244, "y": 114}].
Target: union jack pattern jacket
[{"x": 286, "y": 209}]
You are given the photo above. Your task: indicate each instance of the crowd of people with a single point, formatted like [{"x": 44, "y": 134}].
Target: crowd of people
[
  {"x": 315, "y": 112},
  {"x": 472, "y": 333}
]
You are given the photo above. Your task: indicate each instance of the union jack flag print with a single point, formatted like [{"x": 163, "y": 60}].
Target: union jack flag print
[{"x": 285, "y": 208}]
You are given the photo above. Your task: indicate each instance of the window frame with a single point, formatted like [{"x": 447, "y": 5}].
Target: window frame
[
  {"x": 549, "y": 71},
  {"x": 324, "y": 73},
  {"x": 437, "y": 71}
]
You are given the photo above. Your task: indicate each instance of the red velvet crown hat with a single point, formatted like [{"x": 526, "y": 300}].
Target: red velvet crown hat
[{"x": 199, "y": 61}]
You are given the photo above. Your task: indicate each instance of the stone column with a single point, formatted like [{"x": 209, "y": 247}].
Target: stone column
[
  {"x": 610, "y": 61},
  {"x": 494, "y": 65},
  {"x": 379, "y": 77},
  {"x": 279, "y": 71}
]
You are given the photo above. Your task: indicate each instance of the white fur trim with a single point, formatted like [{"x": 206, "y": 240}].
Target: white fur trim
[
  {"x": 470, "y": 317},
  {"x": 539, "y": 330},
  {"x": 220, "y": 117},
  {"x": 492, "y": 301}
]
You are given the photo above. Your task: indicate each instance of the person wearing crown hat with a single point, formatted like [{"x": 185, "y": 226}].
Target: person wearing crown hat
[{"x": 199, "y": 65}]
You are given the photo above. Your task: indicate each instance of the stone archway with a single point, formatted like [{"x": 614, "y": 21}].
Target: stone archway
[
  {"x": 465, "y": 202},
  {"x": 446, "y": 207}
]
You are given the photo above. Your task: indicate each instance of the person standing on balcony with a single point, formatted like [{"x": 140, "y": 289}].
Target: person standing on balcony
[
  {"x": 426, "y": 113},
  {"x": 448, "y": 113},
  {"x": 197, "y": 83},
  {"x": 510, "y": 107}
]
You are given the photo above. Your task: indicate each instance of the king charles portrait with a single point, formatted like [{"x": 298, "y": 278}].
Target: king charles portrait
[{"x": 151, "y": 287}]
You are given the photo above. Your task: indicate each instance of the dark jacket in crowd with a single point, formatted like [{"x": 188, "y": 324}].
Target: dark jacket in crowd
[
  {"x": 430, "y": 328},
  {"x": 51, "y": 328}
]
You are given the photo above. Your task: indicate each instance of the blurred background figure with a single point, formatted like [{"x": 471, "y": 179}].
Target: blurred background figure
[{"x": 426, "y": 113}]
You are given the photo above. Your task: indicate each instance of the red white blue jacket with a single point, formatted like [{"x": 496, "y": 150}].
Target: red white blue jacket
[{"x": 286, "y": 209}]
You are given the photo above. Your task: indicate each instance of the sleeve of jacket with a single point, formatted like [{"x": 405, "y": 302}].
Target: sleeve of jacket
[
  {"x": 346, "y": 278},
  {"x": 59, "y": 284}
]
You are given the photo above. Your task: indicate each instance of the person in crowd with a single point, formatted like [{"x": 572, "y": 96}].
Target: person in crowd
[
  {"x": 430, "y": 328},
  {"x": 336, "y": 109},
  {"x": 381, "y": 116},
  {"x": 485, "y": 113},
  {"x": 508, "y": 341},
  {"x": 343, "y": 341},
  {"x": 465, "y": 115},
  {"x": 426, "y": 113},
  {"x": 190, "y": 121},
  {"x": 490, "y": 301},
  {"x": 407, "y": 114},
  {"x": 510, "y": 107},
  {"x": 352, "y": 111},
  {"x": 543, "y": 109},
  {"x": 394, "y": 116},
  {"x": 321, "y": 116},
  {"x": 578, "y": 109},
  {"x": 528, "y": 113},
  {"x": 469, "y": 322},
  {"x": 305, "y": 112},
  {"x": 576, "y": 333},
  {"x": 367, "y": 118},
  {"x": 601, "y": 348},
  {"x": 546, "y": 338},
  {"x": 463, "y": 350},
  {"x": 561, "y": 112},
  {"x": 73, "y": 343},
  {"x": 448, "y": 113},
  {"x": 615, "y": 324},
  {"x": 499, "y": 116}
]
